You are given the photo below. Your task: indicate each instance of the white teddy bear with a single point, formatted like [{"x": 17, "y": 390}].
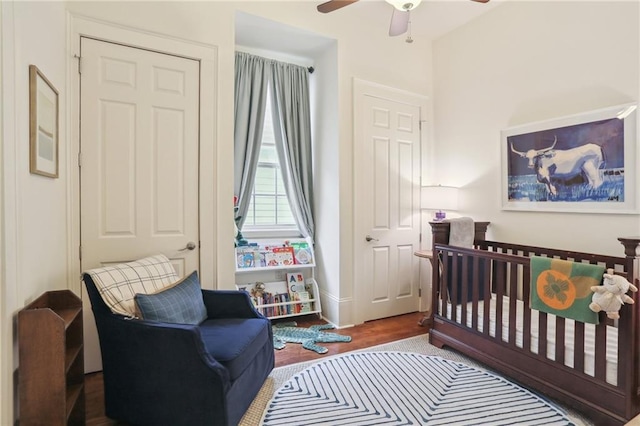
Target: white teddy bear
[{"x": 611, "y": 295}]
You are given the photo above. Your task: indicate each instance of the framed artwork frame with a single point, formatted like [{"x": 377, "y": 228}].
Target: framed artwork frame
[
  {"x": 43, "y": 125},
  {"x": 583, "y": 163}
]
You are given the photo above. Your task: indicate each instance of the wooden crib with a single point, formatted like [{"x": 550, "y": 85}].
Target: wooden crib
[{"x": 481, "y": 308}]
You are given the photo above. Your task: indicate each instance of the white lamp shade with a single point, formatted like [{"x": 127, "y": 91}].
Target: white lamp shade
[
  {"x": 439, "y": 197},
  {"x": 404, "y": 5}
]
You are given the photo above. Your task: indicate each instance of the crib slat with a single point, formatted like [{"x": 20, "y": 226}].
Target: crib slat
[
  {"x": 454, "y": 289},
  {"x": 463, "y": 277},
  {"x": 542, "y": 334},
  {"x": 444, "y": 297},
  {"x": 601, "y": 351},
  {"x": 526, "y": 295},
  {"x": 513, "y": 296},
  {"x": 625, "y": 323},
  {"x": 627, "y": 329},
  {"x": 475, "y": 292},
  {"x": 560, "y": 338},
  {"x": 500, "y": 274},
  {"x": 487, "y": 298},
  {"x": 578, "y": 344}
]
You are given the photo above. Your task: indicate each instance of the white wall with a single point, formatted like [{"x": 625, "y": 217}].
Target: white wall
[
  {"x": 34, "y": 208},
  {"x": 524, "y": 62},
  {"x": 327, "y": 180}
]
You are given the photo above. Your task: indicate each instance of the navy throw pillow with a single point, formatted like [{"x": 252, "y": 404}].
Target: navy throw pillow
[{"x": 181, "y": 303}]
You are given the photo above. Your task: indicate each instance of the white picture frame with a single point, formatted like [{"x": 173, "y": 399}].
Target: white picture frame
[{"x": 583, "y": 163}]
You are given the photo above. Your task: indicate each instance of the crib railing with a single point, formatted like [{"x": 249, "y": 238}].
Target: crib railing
[{"x": 468, "y": 279}]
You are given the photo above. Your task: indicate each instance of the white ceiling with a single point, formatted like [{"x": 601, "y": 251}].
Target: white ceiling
[
  {"x": 434, "y": 18},
  {"x": 431, "y": 19}
]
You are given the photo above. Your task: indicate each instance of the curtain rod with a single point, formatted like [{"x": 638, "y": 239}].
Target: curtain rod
[{"x": 311, "y": 70}]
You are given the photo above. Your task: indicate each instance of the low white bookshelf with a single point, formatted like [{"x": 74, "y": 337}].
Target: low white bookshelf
[{"x": 265, "y": 269}]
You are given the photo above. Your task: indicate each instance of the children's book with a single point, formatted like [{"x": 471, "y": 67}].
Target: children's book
[
  {"x": 245, "y": 257},
  {"x": 295, "y": 282},
  {"x": 270, "y": 259},
  {"x": 283, "y": 255},
  {"x": 305, "y": 306},
  {"x": 302, "y": 253}
]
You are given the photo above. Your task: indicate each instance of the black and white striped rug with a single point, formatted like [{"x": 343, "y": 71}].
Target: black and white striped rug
[{"x": 404, "y": 388}]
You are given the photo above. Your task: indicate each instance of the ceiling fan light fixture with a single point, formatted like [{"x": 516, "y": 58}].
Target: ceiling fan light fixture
[{"x": 404, "y": 5}]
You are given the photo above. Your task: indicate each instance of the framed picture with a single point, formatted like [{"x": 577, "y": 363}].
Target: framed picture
[
  {"x": 43, "y": 125},
  {"x": 584, "y": 163}
]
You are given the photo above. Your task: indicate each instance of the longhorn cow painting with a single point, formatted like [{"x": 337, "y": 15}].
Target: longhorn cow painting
[{"x": 572, "y": 167}]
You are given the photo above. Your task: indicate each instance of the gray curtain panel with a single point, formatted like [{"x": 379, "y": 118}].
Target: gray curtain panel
[
  {"x": 292, "y": 126},
  {"x": 251, "y": 82}
]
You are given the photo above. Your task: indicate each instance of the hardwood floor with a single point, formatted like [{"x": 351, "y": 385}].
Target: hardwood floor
[{"x": 362, "y": 336}]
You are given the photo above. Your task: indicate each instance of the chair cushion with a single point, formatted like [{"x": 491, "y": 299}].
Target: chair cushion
[
  {"x": 118, "y": 284},
  {"x": 181, "y": 303},
  {"x": 235, "y": 342}
]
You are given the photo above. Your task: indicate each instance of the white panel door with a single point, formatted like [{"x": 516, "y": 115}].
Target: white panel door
[
  {"x": 387, "y": 205},
  {"x": 139, "y": 161}
]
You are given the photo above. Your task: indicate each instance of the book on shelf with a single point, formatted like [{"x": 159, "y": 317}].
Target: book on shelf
[
  {"x": 270, "y": 259},
  {"x": 305, "y": 306},
  {"x": 308, "y": 286},
  {"x": 283, "y": 298},
  {"x": 283, "y": 253},
  {"x": 302, "y": 253},
  {"x": 280, "y": 305},
  {"x": 295, "y": 282},
  {"x": 261, "y": 257},
  {"x": 245, "y": 257},
  {"x": 278, "y": 256}
]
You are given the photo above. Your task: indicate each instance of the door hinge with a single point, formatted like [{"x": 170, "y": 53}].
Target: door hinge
[
  {"x": 79, "y": 160},
  {"x": 79, "y": 58},
  {"x": 419, "y": 291},
  {"x": 420, "y": 238},
  {"x": 80, "y": 252}
]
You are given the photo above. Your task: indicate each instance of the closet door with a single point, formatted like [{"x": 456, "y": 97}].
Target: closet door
[
  {"x": 139, "y": 142},
  {"x": 387, "y": 202}
]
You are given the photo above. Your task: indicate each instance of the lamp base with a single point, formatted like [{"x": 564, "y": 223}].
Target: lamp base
[{"x": 440, "y": 216}]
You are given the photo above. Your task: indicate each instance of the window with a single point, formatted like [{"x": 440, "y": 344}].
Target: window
[
  {"x": 269, "y": 206},
  {"x": 266, "y": 210}
]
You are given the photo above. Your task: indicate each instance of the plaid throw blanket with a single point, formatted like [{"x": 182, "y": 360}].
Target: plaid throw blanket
[
  {"x": 118, "y": 284},
  {"x": 563, "y": 288}
]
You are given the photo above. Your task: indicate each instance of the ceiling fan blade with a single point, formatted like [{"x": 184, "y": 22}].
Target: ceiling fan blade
[
  {"x": 332, "y": 5},
  {"x": 399, "y": 22}
]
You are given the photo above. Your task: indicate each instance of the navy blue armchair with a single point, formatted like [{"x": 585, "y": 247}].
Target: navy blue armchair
[{"x": 173, "y": 374}]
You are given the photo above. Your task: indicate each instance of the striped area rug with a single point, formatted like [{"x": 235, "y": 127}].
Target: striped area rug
[{"x": 404, "y": 388}]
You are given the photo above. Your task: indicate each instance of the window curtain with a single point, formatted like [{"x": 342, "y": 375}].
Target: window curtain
[
  {"x": 251, "y": 82},
  {"x": 292, "y": 126}
]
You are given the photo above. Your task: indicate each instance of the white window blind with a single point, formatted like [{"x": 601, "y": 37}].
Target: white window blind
[{"x": 269, "y": 206}]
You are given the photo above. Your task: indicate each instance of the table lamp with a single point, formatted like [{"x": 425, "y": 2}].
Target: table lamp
[{"x": 439, "y": 198}]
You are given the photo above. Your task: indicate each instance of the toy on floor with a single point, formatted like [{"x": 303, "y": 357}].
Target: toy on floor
[
  {"x": 289, "y": 333},
  {"x": 611, "y": 295}
]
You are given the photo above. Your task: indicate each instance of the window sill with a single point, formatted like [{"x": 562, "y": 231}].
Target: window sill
[{"x": 271, "y": 233}]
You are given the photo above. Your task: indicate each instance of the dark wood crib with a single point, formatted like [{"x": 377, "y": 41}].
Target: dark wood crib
[{"x": 481, "y": 308}]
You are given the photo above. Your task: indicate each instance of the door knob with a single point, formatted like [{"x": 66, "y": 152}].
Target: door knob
[
  {"x": 190, "y": 246},
  {"x": 369, "y": 238}
]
